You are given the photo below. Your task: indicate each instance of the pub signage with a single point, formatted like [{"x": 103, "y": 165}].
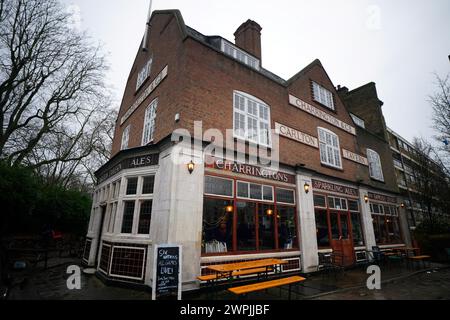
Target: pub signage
[
  {"x": 159, "y": 78},
  {"x": 302, "y": 105},
  {"x": 331, "y": 187},
  {"x": 296, "y": 135},
  {"x": 355, "y": 157},
  {"x": 130, "y": 163},
  {"x": 381, "y": 197},
  {"x": 251, "y": 170},
  {"x": 167, "y": 270}
]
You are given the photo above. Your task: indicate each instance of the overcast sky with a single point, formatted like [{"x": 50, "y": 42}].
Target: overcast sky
[{"x": 398, "y": 44}]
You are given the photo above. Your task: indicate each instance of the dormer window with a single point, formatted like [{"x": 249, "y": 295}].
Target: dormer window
[
  {"x": 144, "y": 73},
  {"x": 358, "y": 121},
  {"x": 240, "y": 55},
  {"x": 323, "y": 96}
]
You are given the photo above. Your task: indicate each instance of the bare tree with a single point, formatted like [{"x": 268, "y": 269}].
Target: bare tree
[
  {"x": 431, "y": 180},
  {"x": 54, "y": 107},
  {"x": 440, "y": 102}
]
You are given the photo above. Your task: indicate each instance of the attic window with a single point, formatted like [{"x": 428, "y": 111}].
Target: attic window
[
  {"x": 240, "y": 55},
  {"x": 323, "y": 96},
  {"x": 358, "y": 121},
  {"x": 144, "y": 73}
]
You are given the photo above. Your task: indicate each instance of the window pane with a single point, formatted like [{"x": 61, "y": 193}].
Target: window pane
[
  {"x": 334, "y": 225},
  {"x": 268, "y": 193},
  {"x": 255, "y": 191},
  {"x": 218, "y": 186},
  {"x": 287, "y": 229},
  {"x": 128, "y": 215},
  {"x": 344, "y": 226},
  {"x": 331, "y": 202},
  {"x": 217, "y": 226},
  {"x": 148, "y": 184},
  {"x": 285, "y": 196},
  {"x": 319, "y": 201},
  {"x": 358, "y": 239},
  {"x": 246, "y": 226},
  {"x": 322, "y": 228},
  {"x": 353, "y": 205},
  {"x": 266, "y": 229},
  {"x": 242, "y": 189},
  {"x": 145, "y": 217},
  {"x": 132, "y": 185}
]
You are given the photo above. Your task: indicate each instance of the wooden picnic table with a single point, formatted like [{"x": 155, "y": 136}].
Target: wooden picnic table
[{"x": 227, "y": 270}]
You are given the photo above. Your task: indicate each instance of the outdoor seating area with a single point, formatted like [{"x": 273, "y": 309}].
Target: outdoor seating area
[{"x": 226, "y": 274}]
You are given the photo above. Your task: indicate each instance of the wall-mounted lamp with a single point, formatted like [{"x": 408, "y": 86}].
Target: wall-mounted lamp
[
  {"x": 402, "y": 205},
  {"x": 191, "y": 166},
  {"x": 229, "y": 208},
  {"x": 306, "y": 187},
  {"x": 269, "y": 212},
  {"x": 366, "y": 198}
]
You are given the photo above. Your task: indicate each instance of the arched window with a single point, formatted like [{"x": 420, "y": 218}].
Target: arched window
[
  {"x": 330, "y": 152},
  {"x": 375, "y": 169},
  {"x": 251, "y": 119}
]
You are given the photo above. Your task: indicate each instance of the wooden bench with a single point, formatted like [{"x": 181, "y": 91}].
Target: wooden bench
[
  {"x": 212, "y": 277},
  {"x": 267, "y": 285}
]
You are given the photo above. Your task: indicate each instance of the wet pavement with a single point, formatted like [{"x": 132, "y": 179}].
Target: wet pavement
[{"x": 397, "y": 282}]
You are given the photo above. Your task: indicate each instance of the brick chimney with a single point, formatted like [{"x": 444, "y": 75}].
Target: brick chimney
[{"x": 248, "y": 37}]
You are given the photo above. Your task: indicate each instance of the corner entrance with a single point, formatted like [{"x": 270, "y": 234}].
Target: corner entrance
[{"x": 341, "y": 237}]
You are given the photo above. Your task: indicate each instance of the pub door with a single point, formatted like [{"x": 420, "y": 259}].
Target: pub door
[{"x": 341, "y": 237}]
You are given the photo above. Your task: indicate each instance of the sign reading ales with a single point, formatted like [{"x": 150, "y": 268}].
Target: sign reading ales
[
  {"x": 130, "y": 163},
  {"x": 331, "y": 187},
  {"x": 250, "y": 170}
]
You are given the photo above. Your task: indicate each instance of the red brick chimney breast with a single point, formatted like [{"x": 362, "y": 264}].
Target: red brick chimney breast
[{"x": 248, "y": 37}]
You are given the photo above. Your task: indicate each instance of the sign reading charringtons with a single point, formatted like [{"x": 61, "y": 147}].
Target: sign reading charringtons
[
  {"x": 159, "y": 78},
  {"x": 296, "y": 135},
  {"x": 302, "y": 105}
]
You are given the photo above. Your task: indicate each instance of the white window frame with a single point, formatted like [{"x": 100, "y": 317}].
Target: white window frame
[
  {"x": 286, "y": 203},
  {"x": 358, "y": 121},
  {"x": 219, "y": 195},
  {"x": 240, "y": 55},
  {"x": 149, "y": 122},
  {"x": 375, "y": 168},
  {"x": 323, "y": 96},
  {"x": 261, "y": 107},
  {"x": 144, "y": 73},
  {"x": 125, "y": 138},
  {"x": 325, "y": 147}
]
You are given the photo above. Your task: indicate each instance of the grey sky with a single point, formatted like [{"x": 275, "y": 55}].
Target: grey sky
[{"x": 397, "y": 44}]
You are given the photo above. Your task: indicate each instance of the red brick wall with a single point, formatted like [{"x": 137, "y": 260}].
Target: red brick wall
[{"x": 200, "y": 86}]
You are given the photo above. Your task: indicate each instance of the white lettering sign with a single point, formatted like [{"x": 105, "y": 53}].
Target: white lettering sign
[
  {"x": 302, "y": 105},
  {"x": 159, "y": 78},
  {"x": 355, "y": 157},
  {"x": 296, "y": 135}
]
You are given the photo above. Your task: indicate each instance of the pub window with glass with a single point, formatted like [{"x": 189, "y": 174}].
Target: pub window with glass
[
  {"x": 337, "y": 218},
  {"x": 246, "y": 217},
  {"x": 386, "y": 224}
]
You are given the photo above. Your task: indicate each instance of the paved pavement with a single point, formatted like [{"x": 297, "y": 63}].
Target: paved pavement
[{"x": 398, "y": 282}]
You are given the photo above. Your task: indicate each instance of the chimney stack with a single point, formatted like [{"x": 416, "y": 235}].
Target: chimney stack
[{"x": 248, "y": 37}]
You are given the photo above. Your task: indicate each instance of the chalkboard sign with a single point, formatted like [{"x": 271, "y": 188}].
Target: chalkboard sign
[{"x": 167, "y": 271}]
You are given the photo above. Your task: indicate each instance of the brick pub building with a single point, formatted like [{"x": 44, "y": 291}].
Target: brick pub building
[{"x": 335, "y": 188}]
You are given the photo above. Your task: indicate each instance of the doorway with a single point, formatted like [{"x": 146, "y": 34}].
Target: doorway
[{"x": 341, "y": 237}]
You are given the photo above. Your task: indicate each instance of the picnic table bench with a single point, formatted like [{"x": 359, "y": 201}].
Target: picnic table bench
[{"x": 241, "y": 290}]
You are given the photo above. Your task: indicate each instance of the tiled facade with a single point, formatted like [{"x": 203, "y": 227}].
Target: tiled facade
[{"x": 334, "y": 176}]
